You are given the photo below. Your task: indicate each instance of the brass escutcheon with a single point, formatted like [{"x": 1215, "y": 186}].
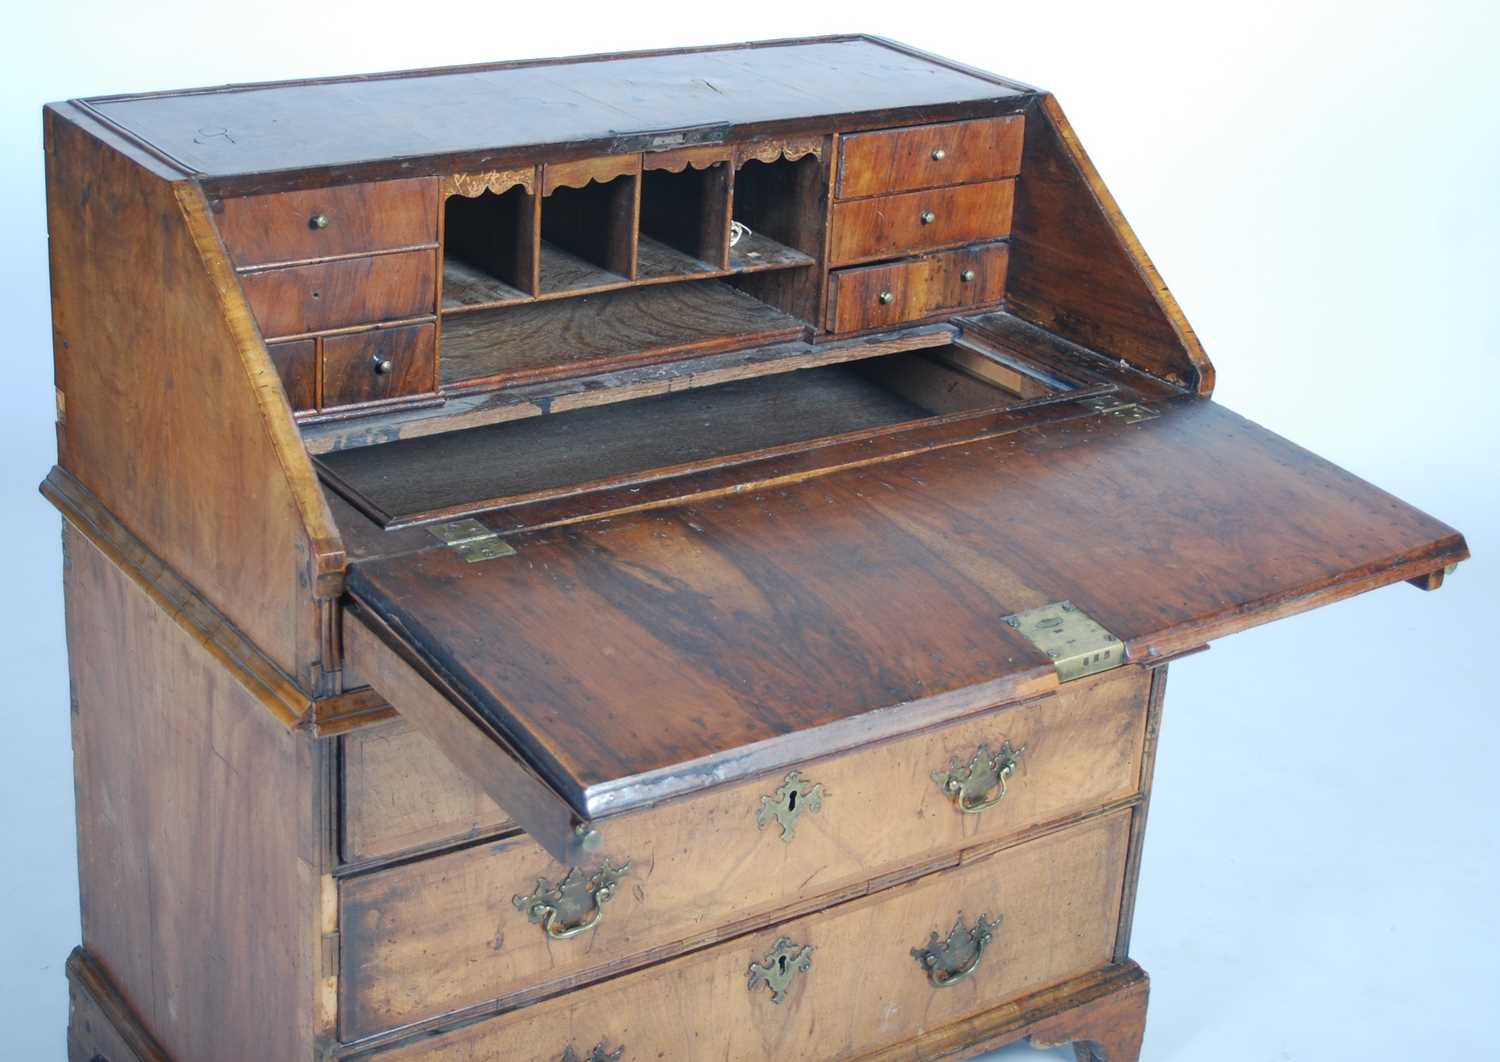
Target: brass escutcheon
[
  {"x": 986, "y": 773},
  {"x": 788, "y": 803},
  {"x": 947, "y": 962},
  {"x": 785, "y": 961},
  {"x": 561, "y": 909},
  {"x": 598, "y": 1054}
]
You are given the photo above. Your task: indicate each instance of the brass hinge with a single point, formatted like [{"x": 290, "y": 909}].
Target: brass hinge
[
  {"x": 1077, "y": 645},
  {"x": 472, "y": 541},
  {"x": 1114, "y": 406}
]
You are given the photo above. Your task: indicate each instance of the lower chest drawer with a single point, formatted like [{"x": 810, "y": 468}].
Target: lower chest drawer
[
  {"x": 341, "y": 293},
  {"x": 463, "y": 928},
  {"x": 848, "y": 980},
  {"x": 884, "y": 295},
  {"x": 894, "y": 226}
]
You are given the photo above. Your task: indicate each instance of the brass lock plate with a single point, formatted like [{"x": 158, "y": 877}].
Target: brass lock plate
[
  {"x": 599, "y": 1054},
  {"x": 1077, "y": 644},
  {"x": 785, "y": 961},
  {"x": 794, "y": 798}
]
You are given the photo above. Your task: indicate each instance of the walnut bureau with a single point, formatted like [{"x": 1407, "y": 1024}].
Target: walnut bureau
[{"x": 661, "y": 556}]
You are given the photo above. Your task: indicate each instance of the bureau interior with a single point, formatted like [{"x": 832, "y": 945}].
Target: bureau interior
[
  {"x": 607, "y": 446},
  {"x": 586, "y": 265}
]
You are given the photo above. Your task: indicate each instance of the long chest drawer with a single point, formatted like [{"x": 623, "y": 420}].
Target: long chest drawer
[
  {"x": 461, "y": 929},
  {"x": 845, "y": 981},
  {"x": 892, "y": 226}
]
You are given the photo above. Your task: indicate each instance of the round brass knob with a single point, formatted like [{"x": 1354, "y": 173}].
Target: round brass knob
[
  {"x": 886, "y": 298},
  {"x": 938, "y": 154},
  {"x": 383, "y": 366},
  {"x": 318, "y": 221},
  {"x": 966, "y": 276},
  {"x": 928, "y": 217}
]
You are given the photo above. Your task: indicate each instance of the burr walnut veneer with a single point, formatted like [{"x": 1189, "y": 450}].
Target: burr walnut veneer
[{"x": 659, "y": 556}]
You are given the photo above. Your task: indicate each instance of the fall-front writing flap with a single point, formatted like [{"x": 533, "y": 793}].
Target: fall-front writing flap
[{"x": 613, "y": 663}]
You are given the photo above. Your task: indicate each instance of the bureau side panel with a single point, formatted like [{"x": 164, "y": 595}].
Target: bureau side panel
[
  {"x": 198, "y": 831},
  {"x": 169, "y": 409}
]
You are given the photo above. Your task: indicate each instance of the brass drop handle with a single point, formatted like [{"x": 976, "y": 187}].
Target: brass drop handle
[
  {"x": 928, "y": 217},
  {"x": 951, "y": 960},
  {"x": 966, "y": 276},
  {"x": 382, "y": 366},
  {"x": 886, "y": 298},
  {"x": 938, "y": 154},
  {"x": 574, "y": 905},
  {"x": 983, "y": 783},
  {"x": 318, "y": 221}
]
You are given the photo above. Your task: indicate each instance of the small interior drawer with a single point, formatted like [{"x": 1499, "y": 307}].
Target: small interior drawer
[
  {"x": 882, "y": 295},
  {"x": 423, "y": 938},
  {"x": 895, "y": 226},
  {"x": 296, "y": 362},
  {"x": 380, "y": 364},
  {"x": 350, "y": 291},
  {"x": 1051, "y": 907},
  {"x": 929, "y": 156},
  {"x": 399, "y": 793},
  {"x": 353, "y": 219}
]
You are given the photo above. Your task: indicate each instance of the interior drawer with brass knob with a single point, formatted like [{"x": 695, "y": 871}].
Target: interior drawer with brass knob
[
  {"x": 894, "y": 226},
  {"x": 380, "y": 364},
  {"x": 928, "y": 156},
  {"x": 853, "y": 978},
  {"x": 299, "y": 299},
  {"x": 262, "y": 230},
  {"x": 878, "y": 296},
  {"x": 493, "y": 921}
]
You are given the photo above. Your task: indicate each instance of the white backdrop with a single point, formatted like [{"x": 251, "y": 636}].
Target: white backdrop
[{"x": 1317, "y": 182}]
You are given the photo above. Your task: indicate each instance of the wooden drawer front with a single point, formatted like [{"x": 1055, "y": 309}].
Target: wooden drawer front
[
  {"x": 400, "y": 792},
  {"x": 351, "y": 291},
  {"x": 894, "y": 226},
  {"x": 1057, "y": 899},
  {"x": 385, "y": 363},
  {"x": 356, "y": 219},
  {"x": 929, "y": 156},
  {"x": 296, "y": 363},
  {"x": 878, "y": 296},
  {"x": 435, "y": 935}
]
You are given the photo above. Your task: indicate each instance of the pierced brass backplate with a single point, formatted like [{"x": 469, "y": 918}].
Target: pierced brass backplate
[
  {"x": 982, "y": 784},
  {"x": 1077, "y": 645},
  {"x": 785, "y": 962},
  {"x": 598, "y": 1054},
  {"x": 574, "y": 905},
  {"x": 788, "y": 803},
  {"x": 947, "y": 962}
]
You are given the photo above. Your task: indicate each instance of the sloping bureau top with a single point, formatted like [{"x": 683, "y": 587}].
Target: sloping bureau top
[
  {"x": 634, "y": 658},
  {"x": 637, "y": 102}
]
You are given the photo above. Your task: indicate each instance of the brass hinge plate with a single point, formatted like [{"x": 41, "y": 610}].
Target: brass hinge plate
[
  {"x": 472, "y": 541},
  {"x": 1077, "y": 644},
  {"x": 1120, "y": 409}
]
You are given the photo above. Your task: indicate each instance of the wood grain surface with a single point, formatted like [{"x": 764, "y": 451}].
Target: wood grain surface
[
  {"x": 607, "y": 330},
  {"x": 873, "y": 596},
  {"x": 420, "y": 938},
  {"x": 357, "y": 219},
  {"x": 1057, "y": 896},
  {"x": 893, "y": 226},
  {"x": 929, "y": 156}
]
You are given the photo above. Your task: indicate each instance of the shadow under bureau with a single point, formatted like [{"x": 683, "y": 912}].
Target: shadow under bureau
[{"x": 660, "y": 556}]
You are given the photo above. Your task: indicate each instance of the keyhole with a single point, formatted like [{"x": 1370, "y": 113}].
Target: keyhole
[
  {"x": 791, "y": 801},
  {"x": 781, "y": 963}
]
